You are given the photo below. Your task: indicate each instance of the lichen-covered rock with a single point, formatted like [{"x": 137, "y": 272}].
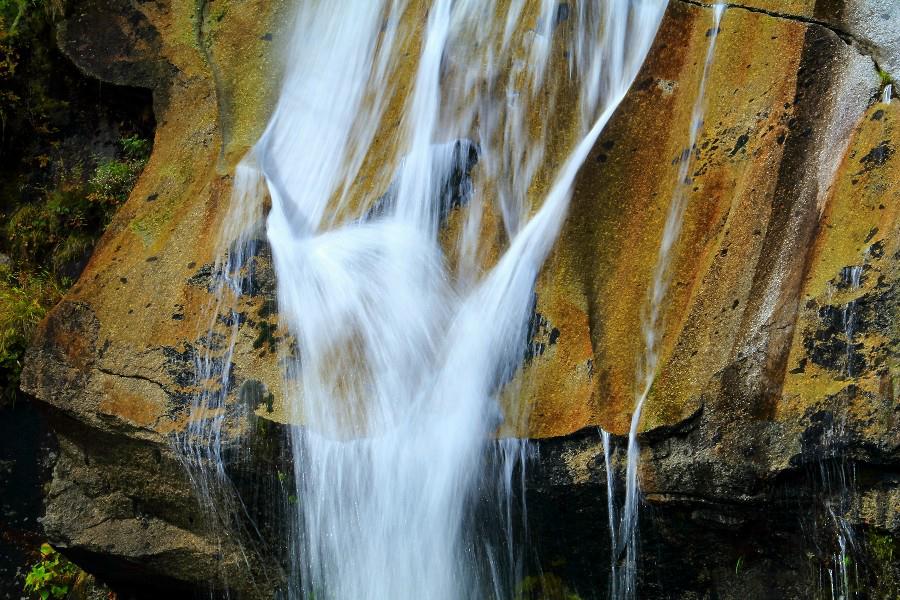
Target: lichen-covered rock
[
  {"x": 773, "y": 359},
  {"x": 870, "y": 25},
  {"x": 777, "y": 394}
]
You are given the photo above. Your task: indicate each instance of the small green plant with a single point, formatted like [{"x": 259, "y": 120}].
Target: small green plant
[
  {"x": 886, "y": 78},
  {"x": 739, "y": 565},
  {"x": 52, "y": 577},
  {"x": 15, "y": 10},
  {"x": 71, "y": 249},
  {"x": 54, "y": 224},
  {"x": 113, "y": 180},
  {"x": 135, "y": 147}
]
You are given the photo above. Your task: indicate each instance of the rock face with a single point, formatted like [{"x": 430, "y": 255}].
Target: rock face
[{"x": 779, "y": 355}]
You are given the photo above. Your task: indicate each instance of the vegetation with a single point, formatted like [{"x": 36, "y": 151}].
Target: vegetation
[
  {"x": 26, "y": 104},
  {"x": 884, "y": 553},
  {"x": 52, "y": 577},
  {"x": 545, "y": 587},
  {"x": 60, "y": 222},
  {"x": 47, "y": 240},
  {"x": 60, "y": 183},
  {"x": 24, "y": 299}
]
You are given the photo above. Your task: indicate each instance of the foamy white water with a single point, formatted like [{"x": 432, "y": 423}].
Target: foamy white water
[{"x": 404, "y": 340}]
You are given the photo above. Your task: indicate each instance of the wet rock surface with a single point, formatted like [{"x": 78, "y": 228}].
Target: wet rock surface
[{"x": 763, "y": 397}]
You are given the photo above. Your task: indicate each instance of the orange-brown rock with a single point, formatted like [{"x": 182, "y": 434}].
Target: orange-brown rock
[{"x": 793, "y": 180}]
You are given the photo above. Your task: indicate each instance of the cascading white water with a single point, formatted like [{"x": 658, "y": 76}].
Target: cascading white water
[
  {"x": 625, "y": 547},
  {"x": 400, "y": 356},
  {"x": 404, "y": 339}
]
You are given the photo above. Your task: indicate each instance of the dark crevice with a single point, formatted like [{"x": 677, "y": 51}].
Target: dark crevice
[
  {"x": 138, "y": 377},
  {"x": 694, "y": 543}
]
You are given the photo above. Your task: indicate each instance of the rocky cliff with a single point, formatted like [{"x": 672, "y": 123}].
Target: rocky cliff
[{"x": 777, "y": 394}]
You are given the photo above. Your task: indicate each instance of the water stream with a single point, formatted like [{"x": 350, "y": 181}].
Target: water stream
[
  {"x": 408, "y": 316},
  {"x": 836, "y": 471},
  {"x": 625, "y": 550}
]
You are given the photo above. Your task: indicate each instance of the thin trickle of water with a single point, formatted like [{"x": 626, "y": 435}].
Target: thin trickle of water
[
  {"x": 403, "y": 339},
  {"x": 836, "y": 474},
  {"x": 838, "y": 481},
  {"x": 612, "y": 514},
  {"x": 851, "y": 279},
  {"x": 842, "y": 573},
  {"x": 887, "y": 93},
  {"x": 625, "y": 572},
  {"x": 202, "y": 447}
]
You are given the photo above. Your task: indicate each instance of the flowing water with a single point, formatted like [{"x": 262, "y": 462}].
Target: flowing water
[
  {"x": 625, "y": 548},
  {"x": 836, "y": 472},
  {"x": 215, "y": 428},
  {"x": 837, "y": 478},
  {"x": 851, "y": 279},
  {"x": 612, "y": 512},
  {"x": 409, "y": 318}
]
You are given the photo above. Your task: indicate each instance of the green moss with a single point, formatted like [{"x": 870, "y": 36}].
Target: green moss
[
  {"x": 883, "y": 547},
  {"x": 886, "y": 78},
  {"x": 544, "y": 587},
  {"x": 884, "y": 555},
  {"x": 148, "y": 226}
]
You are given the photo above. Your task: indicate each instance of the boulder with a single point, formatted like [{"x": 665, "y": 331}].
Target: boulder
[{"x": 763, "y": 376}]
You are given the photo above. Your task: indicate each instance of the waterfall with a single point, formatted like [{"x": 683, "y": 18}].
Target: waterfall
[
  {"x": 407, "y": 320},
  {"x": 625, "y": 548}
]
